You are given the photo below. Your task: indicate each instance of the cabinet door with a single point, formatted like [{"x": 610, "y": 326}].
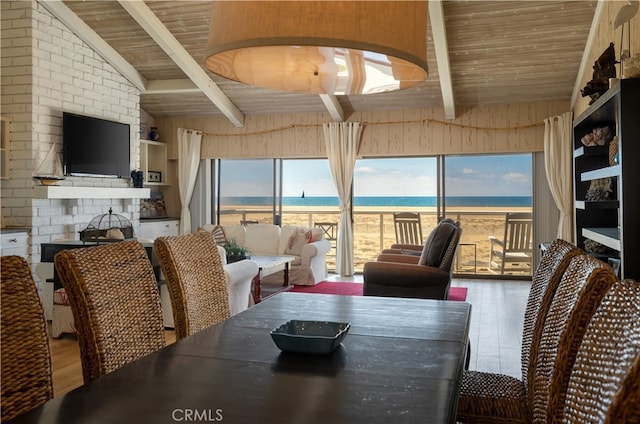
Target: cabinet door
[{"x": 152, "y": 230}]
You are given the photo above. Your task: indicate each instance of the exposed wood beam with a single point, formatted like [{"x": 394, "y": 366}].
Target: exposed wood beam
[
  {"x": 89, "y": 36},
  {"x": 333, "y": 106},
  {"x": 172, "y": 86},
  {"x": 439, "y": 32},
  {"x": 587, "y": 50},
  {"x": 161, "y": 35}
]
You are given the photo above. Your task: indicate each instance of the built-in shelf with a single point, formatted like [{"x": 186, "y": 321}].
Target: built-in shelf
[
  {"x": 597, "y": 204},
  {"x": 71, "y": 192},
  {"x": 609, "y": 237},
  {"x": 610, "y": 171}
]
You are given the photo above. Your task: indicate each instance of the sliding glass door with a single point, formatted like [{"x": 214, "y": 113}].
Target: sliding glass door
[{"x": 480, "y": 191}]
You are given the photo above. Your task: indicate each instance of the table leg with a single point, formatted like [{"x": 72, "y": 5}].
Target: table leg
[
  {"x": 286, "y": 275},
  {"x": 257, "y": 297}
]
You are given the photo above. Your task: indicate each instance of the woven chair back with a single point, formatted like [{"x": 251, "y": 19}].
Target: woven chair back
[
  {"x": 195, "y": 279},
  {"x": 25, "y": 354},
  {"x": 579, "y": 293},
  {"x": 544, "y": 283},
  {"x": 114, "y": 298},
  {"x": 604, "y": 385}
]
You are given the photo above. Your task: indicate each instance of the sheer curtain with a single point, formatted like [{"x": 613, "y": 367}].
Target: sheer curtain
[
  {"x": 189, "y": 142},
  {"x": 558, "y": 160},
  {"x": 343, "y": 140}
]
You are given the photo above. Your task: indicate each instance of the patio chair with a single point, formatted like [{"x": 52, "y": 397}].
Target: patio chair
[
  {"x": 26, "y": 358},
  {"x": 603, "y": 384},
  {"x": 329, "y": 231},
  {"x": 113, "y": 295},
  {"x": 408, "y": 228},
  {"x": 195, "y": 279},
  {"x": 515, "y": 246}
]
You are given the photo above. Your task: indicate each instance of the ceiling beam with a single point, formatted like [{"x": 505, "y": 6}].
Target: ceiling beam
[
  {"x": 89, "y": 36},
  {"x": 439, "y": 32},
  {"x": 333, "y": 106},
  {"x": 163, "y": 37},
  {"x": 171, "y": 86}
]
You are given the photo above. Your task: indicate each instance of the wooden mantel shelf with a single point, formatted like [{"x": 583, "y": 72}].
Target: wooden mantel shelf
[{"x": 71, "y": 192}]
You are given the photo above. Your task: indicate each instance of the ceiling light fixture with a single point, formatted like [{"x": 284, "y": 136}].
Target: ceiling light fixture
[{"x": 320, "y": 47}]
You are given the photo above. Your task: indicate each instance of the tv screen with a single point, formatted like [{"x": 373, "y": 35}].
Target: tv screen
[{"x": 95, "y": 147}]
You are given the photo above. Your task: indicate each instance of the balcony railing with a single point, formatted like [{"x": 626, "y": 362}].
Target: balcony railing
[{"x": 374, "y": 231}]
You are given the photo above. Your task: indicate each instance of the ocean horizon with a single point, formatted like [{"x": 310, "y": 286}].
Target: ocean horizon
[{"x": 384, "y": 201}]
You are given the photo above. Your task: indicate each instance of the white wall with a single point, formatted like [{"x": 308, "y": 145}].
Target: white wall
[{"x": 47, "y": 69}]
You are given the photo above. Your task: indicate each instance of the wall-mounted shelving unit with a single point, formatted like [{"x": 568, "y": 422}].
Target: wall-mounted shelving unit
[
  {"x": 613, "y": 222},
  {"x": 153, "y": 162}
]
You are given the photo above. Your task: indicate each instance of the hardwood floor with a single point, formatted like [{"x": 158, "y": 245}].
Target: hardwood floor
[{"x": 495, "y": 332}]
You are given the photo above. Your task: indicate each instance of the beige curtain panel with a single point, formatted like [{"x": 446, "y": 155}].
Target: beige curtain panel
[
  {"x": 558, "y": 161},
  {"x": 343, "y": 141}
]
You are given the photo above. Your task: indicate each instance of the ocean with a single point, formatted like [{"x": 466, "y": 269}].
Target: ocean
[{"x": 426, "y": 201}]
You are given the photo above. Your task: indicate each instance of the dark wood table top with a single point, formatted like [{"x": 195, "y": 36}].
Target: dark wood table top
[{"x": 400, "y": 363}]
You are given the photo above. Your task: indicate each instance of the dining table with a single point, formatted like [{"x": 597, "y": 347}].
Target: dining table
[{"x": 400, "y": 362}]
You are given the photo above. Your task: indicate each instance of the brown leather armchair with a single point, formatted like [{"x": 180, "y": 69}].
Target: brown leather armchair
[{"x": 405, "y": 271}]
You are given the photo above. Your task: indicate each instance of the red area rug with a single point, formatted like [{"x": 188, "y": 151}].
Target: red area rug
[{"x": 355, "y": 289}]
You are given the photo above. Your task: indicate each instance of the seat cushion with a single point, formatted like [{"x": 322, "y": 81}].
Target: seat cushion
[
  {"x": 436, "y": 244},
  {"x": 491, "y": 398},
  {"x": 262, "y": 239}
]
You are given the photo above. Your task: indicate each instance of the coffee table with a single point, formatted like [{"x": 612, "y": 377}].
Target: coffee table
[{"x": 268, "y": 265}]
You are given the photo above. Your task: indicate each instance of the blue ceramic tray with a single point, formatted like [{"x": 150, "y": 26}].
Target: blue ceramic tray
[{"x": 319, "y": 337}]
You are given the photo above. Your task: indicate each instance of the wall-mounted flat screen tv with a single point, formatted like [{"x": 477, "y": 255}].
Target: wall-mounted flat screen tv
[{"x": 95, "y": 147}]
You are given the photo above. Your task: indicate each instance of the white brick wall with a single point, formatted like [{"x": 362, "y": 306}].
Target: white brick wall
[{"x": 46, "y": 69}]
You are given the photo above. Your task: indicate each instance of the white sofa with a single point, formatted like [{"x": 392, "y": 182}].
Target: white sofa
[
  {"x": 239, "y": 276},
  {"x": 309, "y": 266}
]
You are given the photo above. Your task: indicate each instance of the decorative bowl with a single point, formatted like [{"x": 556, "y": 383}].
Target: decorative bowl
[{"x": 318, "y": 337}]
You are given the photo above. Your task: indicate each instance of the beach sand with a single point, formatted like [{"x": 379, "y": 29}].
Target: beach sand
[{"x": 374, "y": 230}]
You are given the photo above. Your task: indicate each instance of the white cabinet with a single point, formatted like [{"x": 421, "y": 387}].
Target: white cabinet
[
  {"x": 150, "y": 229},
  {"x": 15, "y": 242},
  {"x": 153, "y": 162}
]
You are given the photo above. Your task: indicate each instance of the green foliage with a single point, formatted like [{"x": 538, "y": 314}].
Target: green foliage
[{"x": 234, "y": 249}]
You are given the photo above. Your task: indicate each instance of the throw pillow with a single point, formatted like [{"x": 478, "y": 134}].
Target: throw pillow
[
  {"x": 296, "y": 242},
  {"x": 219, "y": 236}
]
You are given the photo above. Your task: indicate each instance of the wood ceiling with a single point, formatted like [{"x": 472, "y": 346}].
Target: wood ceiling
[{"x": 490, "y": 51}]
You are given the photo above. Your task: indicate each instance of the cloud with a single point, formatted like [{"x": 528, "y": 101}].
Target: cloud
[
  {"x": 366, "y": 169},
  {"x": 516, "y": 177},
  {"x": 468, "y": 171}
]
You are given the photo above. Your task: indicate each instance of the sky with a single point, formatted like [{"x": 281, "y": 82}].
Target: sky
[{"x": 480, "y": 175}]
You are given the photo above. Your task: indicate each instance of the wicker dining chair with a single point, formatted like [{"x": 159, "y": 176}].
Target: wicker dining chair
[
  {"x": 195, "y": 280},
  {"x": 604, "y": 385},
  {"x": 489, "y": 397},
  {"x": 584, "y": 284},
  {"x": 25, "y": 355},
  {"x": 114, "y": 298}
]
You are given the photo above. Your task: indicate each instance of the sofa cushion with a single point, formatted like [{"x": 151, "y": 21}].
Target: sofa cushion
[
  {"x": 297, "y": 240},
  {"x": 262, "y": 239},
  {"x": 436, "y": 244},
  {"x": 235, "y": 232},
  {"x": 218, "y": 235}
]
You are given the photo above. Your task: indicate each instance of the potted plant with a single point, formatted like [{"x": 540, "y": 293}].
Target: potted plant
[{"x": 235, "y": 252}]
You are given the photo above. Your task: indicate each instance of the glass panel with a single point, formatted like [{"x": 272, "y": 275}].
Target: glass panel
[
  {"x": 382, "y": 187},
  {"x": 310, "y": 197},
  {"x": 246, "y": 191},
  {"x": 479, "y": 192}
]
